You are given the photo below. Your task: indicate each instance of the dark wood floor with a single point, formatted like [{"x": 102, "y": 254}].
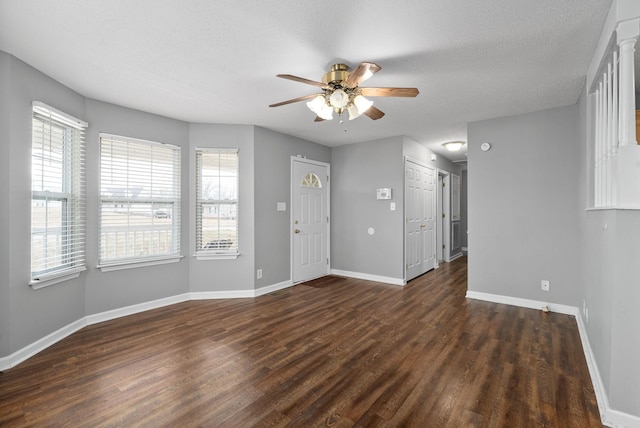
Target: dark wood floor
[{"x": 332, "y": 352}]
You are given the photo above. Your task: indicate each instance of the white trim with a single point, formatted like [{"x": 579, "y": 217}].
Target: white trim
[
  {"x": 41, "y": 344},
  {"x": 368, "y": 277},
  {"x": 131, "y": 264},
  {"x": 303, "y": 159},
  {"x": 134, "y": 309},
  {"x": 609, "y": 417},
  {"x": 201, "y": 255},
  {"x": 227, "y": 294},
  {"x": 456, "y": 256},
  {"x": 47, "y": 280},
  {"x": 524, "y": 303},
  {"x": 271, "y": 288},
  {"x": 615, "y": 208},
  {"x": 67, "y": 119}
]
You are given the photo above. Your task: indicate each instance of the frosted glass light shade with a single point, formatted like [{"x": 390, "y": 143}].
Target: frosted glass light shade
[
  {"x": 316, "y": 104},
  {"x": 453, "y": 146},
  {"x": 362, "y": 104},
  {"x": 326, "y": 112},
  {"x": 339, "y": 98},
  {"x": 353, "y": 112}
]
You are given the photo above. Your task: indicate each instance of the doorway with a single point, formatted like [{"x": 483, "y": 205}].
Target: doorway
[
  {"x": 309, "y": 219},
  {"x": 443, "y": 244},
  {"x": 420, "y": 219}
]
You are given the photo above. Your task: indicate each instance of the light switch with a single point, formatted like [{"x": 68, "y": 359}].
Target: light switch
[
  {"x": 392, "y": 205},
  {"x": 282, "y": 206}
]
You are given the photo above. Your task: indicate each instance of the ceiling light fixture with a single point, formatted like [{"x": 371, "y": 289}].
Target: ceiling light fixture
[
  {"x": 341, "y": 91},
  {"x": 338, "y": 100},
  {"x": 453, "y": 146}
]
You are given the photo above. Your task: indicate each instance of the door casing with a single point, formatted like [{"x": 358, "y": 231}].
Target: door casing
[{"x": 295, "y": 278}]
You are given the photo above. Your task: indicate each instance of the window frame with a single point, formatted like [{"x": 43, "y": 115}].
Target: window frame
[
  {"x": 215, "y": 253},
  {"x": 133, "y": 261},
  {"x": 70, "y": 172}
]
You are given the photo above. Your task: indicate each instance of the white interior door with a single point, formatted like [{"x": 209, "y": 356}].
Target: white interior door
[
  {"x": 420, "y": 209},
  {"x": 310, "y": 221}
]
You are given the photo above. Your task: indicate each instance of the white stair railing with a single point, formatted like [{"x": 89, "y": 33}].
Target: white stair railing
[{"x": 615, "y": 128}]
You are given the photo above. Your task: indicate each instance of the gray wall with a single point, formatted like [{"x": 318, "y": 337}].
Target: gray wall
[
  {"x": 5, "y": 208},
  {"x": 117, "y": 289},
  {"x": 609, "y": 274},
  {"x": 357, "y": 170},
  {"x": 224, "y": 275},
  {"x": 272, "y": 171},
  {"x": 464, "y": 183},
  {"x": 523, "y": 204},
  {"x": 32, "y": 314}
]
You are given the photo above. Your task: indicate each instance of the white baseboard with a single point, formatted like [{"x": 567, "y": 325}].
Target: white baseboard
[
  {"x": 271, "y": 288},
  {"x": 455, "y": 256},
  {"x": 608, "y": 416},
  {"x": 41, "y": 344},
  {"x": 523, "y": 303},
  {"x": 368, "y": 277},
  {"x": 228, "y": 294},
  {"x": 134, "y": 309},
  {"x": 52, "y": 338}
]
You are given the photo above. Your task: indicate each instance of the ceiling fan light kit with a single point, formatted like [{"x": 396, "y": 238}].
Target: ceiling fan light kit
[{"x": 340, "y": 92}]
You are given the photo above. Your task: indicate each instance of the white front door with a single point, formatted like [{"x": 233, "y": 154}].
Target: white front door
[
  {"x": 420, "y": 222},
  {"x": 310, "y": 221}
]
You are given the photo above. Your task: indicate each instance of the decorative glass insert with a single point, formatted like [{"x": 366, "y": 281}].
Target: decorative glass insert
[{"x": 311, "y": 180}]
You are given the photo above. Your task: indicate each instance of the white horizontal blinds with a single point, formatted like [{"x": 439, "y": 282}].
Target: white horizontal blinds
[
  {"x": 217, "y": 201},
  {"x": 139, "y": 200},
  {"x": 57, "y": 193}
]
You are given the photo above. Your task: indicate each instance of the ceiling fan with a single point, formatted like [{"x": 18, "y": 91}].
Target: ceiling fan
[{"x": 341, "y": 91}]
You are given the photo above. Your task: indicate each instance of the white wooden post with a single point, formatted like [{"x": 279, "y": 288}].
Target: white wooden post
[{"x": 627, "y": 93}]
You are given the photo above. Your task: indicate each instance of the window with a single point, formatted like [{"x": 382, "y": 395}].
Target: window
[
  {"x": 139, "y": 201},
  {"x": 311, "y": 180},
  {"x": 216, "y": 203},
  {"x": 57, "y": 196}
]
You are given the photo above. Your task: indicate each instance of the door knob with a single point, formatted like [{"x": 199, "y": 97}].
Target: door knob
[
  {"x": 297, "y": 231},
  {"x": 422, "y": 226}
]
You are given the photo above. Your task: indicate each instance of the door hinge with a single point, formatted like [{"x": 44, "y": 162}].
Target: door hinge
[
  {"x": 442, "y": 215},
  {"x": 327, "y": 260},
  {"x": 443, "y": 246}
]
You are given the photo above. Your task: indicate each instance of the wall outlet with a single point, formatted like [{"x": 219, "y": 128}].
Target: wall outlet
[
  {"x": 544, "y": 285},
  {"x": 259, "y": 274}
]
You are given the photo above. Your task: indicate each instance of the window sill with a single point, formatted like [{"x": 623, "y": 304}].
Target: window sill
[
  {"x": 614, "y": 208},
  {"x": 132, "y": 264},
  {"x": 48, "y": 280},
  {"x": 213, "y": 256}
]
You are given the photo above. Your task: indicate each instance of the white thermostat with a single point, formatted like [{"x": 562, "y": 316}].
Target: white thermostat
[
  {"x": 485, "y": 147},
  {"x": 383, "y": 193}
]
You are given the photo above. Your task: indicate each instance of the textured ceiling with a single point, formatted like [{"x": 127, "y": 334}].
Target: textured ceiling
[{"x": 216, "y": 61}]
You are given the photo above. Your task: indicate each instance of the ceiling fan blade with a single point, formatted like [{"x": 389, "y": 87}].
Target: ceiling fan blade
[
  {"x": 303, "y": 80},
  {"x": 294, "y": 100},
  {"x": 360, "y": 74},
  {"x": 318, "y": 119},
  {"x": 389, "y": 92},
  {"x": 374, "y": 113}
]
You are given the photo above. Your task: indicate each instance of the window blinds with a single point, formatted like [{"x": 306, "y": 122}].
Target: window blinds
[
  {"x": 57, "y": 194},
  {"x": 139, "y": 200},
  {"x": 216, "y": 201}
]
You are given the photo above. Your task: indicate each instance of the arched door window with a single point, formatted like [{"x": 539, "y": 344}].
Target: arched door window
[{"x": 311, "y": 180}]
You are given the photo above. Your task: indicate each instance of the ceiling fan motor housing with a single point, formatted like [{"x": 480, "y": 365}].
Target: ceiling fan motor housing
[{"x": 338, "y": 73}]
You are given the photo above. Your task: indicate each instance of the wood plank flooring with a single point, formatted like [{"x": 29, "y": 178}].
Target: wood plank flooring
[{"x": 331, "y": 352}]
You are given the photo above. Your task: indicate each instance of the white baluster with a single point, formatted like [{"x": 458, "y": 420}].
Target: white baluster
[{"x": 627, "y": 93}]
